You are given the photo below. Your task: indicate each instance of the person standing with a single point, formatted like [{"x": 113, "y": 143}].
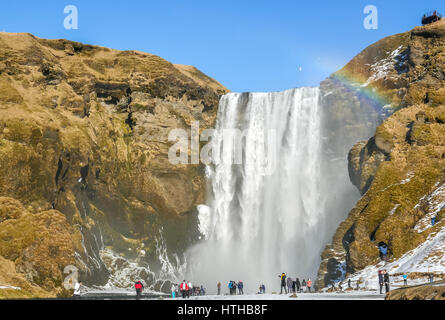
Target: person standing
[
  {"x": 240, "y": 288},
  {"x": 405, "y": 280},
  {"x": 283, "y": 283},
  {"x": 303, "y": 285},
  {"x": 173, "y": 291},
  {"x": 381, "y": 281},
  {"x": 77, "y": 287},
  {"x": 139, "y": 288},
  {"x": 309, "y": 285},
  {"x": 219, "y": 288},
  {"x": 383, "y": 248},
  {"x": 183, "y": 288},
  {"x": 289, "y": 284},
  {"x": 298, "y": 284},
  {"x": 202, "y": 292},
  {"x": 190, "y": 289},
  {"x": 386, "y": 280},
  {"x": 349, "y": 284}
]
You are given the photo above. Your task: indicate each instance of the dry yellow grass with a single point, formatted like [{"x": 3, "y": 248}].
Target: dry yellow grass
[{"x": 83, "y": 129}]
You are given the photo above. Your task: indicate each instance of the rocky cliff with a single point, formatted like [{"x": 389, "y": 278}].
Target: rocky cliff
[
  {"x": 84, "y": 159},
  {"x": 397, "y": 84}
]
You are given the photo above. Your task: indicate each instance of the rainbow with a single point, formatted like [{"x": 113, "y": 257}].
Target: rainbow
[{"x": 363, "y": 90}]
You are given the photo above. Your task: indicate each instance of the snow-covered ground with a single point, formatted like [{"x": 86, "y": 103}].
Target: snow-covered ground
[
  {"x": 429, "y": 257},
  {"x": 358, "y": 295},
  {"x": 125, "y": 294},
  {"x": 436, "y": 201}
]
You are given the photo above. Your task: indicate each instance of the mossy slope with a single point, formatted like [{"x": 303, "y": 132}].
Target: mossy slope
[{"x": 84, "y": 133}]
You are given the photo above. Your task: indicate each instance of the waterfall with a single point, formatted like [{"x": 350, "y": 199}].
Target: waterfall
[{"x": 265, "y": 214}]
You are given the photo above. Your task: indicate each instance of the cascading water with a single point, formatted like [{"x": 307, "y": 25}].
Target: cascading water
[{"x": 264, "y": 216}]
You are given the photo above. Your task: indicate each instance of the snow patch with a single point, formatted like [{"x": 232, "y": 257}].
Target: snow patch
[
  {"x": 436, "y": 202},
  {"x": 426, "y": 258},
  {"x": 381, "y": 68},
  {"x": 125, "y": 272},
  {"x": 328, "y": 94},
  {"x": 9, "y": 288},
  {"x": 409, "y": 176},
  {"x": 394, "y": 209}
]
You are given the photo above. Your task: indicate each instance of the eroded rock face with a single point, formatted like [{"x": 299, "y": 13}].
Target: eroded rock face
[
  {"x": 84, "y": 132},
  {"x": 402, "y": 165},
  {"x": 364, "y": 159}
]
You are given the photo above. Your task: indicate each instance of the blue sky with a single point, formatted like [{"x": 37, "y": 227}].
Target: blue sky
[{"x": 246, "y": 45}]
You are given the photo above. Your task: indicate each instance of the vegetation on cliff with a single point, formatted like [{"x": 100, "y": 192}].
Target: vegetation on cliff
[
  {"x": 84, "y": 155},
  {"x": 400, "y": 171}
]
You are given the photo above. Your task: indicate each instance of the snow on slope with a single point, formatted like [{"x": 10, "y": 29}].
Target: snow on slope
[
  {"x": 10, "y": 287},
  {"x": 382, "y": 68},
  {"x": 436, "y": 202},
  {"x": 428, "y": 257}
]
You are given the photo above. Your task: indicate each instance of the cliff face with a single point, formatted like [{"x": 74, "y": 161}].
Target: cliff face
[
  {"x": 84, "y": 156},
  {"x": 400, "y": 170}
]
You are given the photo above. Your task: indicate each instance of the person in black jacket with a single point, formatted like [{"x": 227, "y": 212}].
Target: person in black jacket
[
  {"x": 381, "y": 281},
  {"x": 386, "y": 280},
  {"x": 298, "y": 284},
  {"x": 283, "y": 283}
]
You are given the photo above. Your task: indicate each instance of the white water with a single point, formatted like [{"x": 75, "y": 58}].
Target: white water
[{"x": 259, "y": 223}]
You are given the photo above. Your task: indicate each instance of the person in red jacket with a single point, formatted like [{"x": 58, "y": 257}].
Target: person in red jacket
[
  {"x": 309, "y": 285},
  {"x": 139, "y": 288},
  {"x": 184, "y": 288}
]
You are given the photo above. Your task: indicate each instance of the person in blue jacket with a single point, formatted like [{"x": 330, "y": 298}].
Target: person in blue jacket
[
  {"x": 240, "y": 287},
  {"x": 383, "y": 248}
]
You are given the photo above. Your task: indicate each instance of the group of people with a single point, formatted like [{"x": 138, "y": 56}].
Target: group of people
[
  {"x": 187, "y": 290},
  {"x": 430, "y": 277},
  {"x": 384, "y": 280},
  {"x": 294, "y": 285},
  {"x": 232, "y": 285},
  {"x": 288, "y": 285}
]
